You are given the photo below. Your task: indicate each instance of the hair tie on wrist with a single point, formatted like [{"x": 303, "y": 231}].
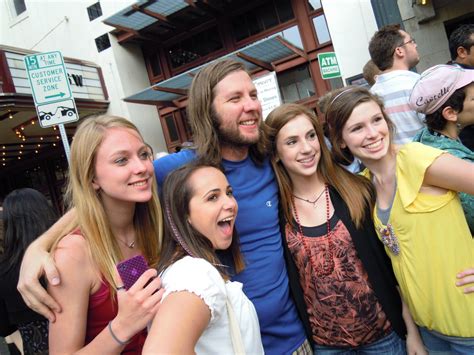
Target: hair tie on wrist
[{"x": 123, "y": 343}]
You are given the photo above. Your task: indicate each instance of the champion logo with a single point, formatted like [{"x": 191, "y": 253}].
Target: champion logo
[{"x": 269, "y": 203}]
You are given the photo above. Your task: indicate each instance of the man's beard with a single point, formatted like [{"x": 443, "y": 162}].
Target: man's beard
[{"x": 231, "y": 136}]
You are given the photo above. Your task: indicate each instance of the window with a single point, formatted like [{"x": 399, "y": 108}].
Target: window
[
  {"x": 292, "y": 35},
  {"x": 322, "y": 31},
  {"x": 314, "y": 4},
  {"x": 94, "y": 11},
  {"x": 171, "y": 127},
  {"x": 261, "y": 18},
  {"x": 19, "y": 7},
  {"x": 155, "y": 64},
  {"x": 195, "y": 47},
  {"x": 102, "y": 42},
  {"x": 184, "y": 118},
  {"x": 296, "y": 84}
]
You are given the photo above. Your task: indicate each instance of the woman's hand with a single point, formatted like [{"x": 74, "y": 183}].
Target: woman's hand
[
  {"x": 36, "y": 262},
  {"x": 415, "y": 344},
  {"x": 466, "y": 277},
  {"x": 138, "y": 305}
]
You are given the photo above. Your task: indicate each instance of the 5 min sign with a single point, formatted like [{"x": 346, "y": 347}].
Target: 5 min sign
[
  {"x": 48, "y": 78},
  {"x": 50, "y": 86}
]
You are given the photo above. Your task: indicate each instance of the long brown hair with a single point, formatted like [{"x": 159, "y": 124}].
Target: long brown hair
[
  {"x": 356, "y": 191},
  {"x": 201, "y": 114},
  {"x": 342, "y": 103},
  {"x": 180, "y": 237}
]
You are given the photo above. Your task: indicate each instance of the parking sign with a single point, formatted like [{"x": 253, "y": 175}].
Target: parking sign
[{"x": 51, "y": 91}]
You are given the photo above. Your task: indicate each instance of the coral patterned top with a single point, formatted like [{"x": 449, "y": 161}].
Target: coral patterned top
[{"x": 342, "y": 307}]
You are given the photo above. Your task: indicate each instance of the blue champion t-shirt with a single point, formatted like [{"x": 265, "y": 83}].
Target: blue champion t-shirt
[{"x": 265, "y": 278}]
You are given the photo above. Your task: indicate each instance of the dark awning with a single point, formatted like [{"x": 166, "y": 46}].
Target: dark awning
[{"x": 259, "y": 55}]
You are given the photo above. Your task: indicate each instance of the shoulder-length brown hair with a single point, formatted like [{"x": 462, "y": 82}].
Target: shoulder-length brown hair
[
  {"x": 355, "y": 190},
  {"x": 201, "y": 114},
  {"x": 180, "y": 237},
  {"x": 341, "y": 104}
]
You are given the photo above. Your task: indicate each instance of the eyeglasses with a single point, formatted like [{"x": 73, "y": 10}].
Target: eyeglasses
[
  {"x": 403, "y": 44},
  {"x": 410, "y": 41}
]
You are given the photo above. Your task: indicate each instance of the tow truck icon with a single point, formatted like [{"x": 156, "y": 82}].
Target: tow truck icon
[{"x": 61, "y": 112}]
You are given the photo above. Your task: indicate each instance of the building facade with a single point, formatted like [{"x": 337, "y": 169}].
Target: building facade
[{"x": 147, "y": 52}]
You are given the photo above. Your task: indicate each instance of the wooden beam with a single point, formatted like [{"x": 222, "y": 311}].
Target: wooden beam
[
  {"x": 170, "y": 90},
  {"x": 150, "y": 13},
  {"x": 151, "y": 102},
  {"x": 291, "y": 47},
  {"x": 257, "y": 62},
  {"x": 123, "y": 28},
  {"x": 206, "y": 6}
]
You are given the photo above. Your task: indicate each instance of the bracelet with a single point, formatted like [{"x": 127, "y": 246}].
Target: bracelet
[{"x": 123, "y": 343}]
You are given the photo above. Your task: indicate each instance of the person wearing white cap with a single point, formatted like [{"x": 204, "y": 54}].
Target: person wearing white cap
[{"x": 445, "y": 94}]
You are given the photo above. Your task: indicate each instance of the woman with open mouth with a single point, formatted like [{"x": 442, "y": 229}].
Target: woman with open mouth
[{"x": 202, "y": 311}]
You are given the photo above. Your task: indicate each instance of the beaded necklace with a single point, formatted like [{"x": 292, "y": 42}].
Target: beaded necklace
[{"x": 326, "y": 267}]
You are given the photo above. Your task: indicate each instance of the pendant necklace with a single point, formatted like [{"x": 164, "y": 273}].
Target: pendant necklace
[
  {"x": 326, "y": 266},
  {"x": 130, "y": 245},
  {"x": 309, "y": 201}
]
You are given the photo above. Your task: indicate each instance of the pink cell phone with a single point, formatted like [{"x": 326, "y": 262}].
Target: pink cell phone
[{"x": 131, "y": 269}]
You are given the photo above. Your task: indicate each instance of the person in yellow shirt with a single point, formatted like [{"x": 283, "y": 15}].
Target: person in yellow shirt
[{"x": 418, "y": 216}]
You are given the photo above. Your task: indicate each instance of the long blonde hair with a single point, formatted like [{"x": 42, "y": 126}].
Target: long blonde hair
[
  {"x": 356, "y": 191},
  {"x": 91, "y": 217}
]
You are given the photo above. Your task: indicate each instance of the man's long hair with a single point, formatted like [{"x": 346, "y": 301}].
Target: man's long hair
[{"x": 201, "y": 114}]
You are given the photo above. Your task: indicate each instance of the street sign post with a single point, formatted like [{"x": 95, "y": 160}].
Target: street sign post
[
  {"x": 52, "y": 94},
  {"x": 328, "y": 65}
]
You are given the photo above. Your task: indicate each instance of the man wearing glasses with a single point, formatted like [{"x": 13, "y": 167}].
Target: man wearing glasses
[{"x": 395, "y": 52}]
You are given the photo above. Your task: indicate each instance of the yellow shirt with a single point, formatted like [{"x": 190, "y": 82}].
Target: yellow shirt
[{"x": 435, "y": 244}]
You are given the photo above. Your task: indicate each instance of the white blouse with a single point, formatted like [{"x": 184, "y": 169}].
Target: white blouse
[{"x": 201, "y": 278}]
